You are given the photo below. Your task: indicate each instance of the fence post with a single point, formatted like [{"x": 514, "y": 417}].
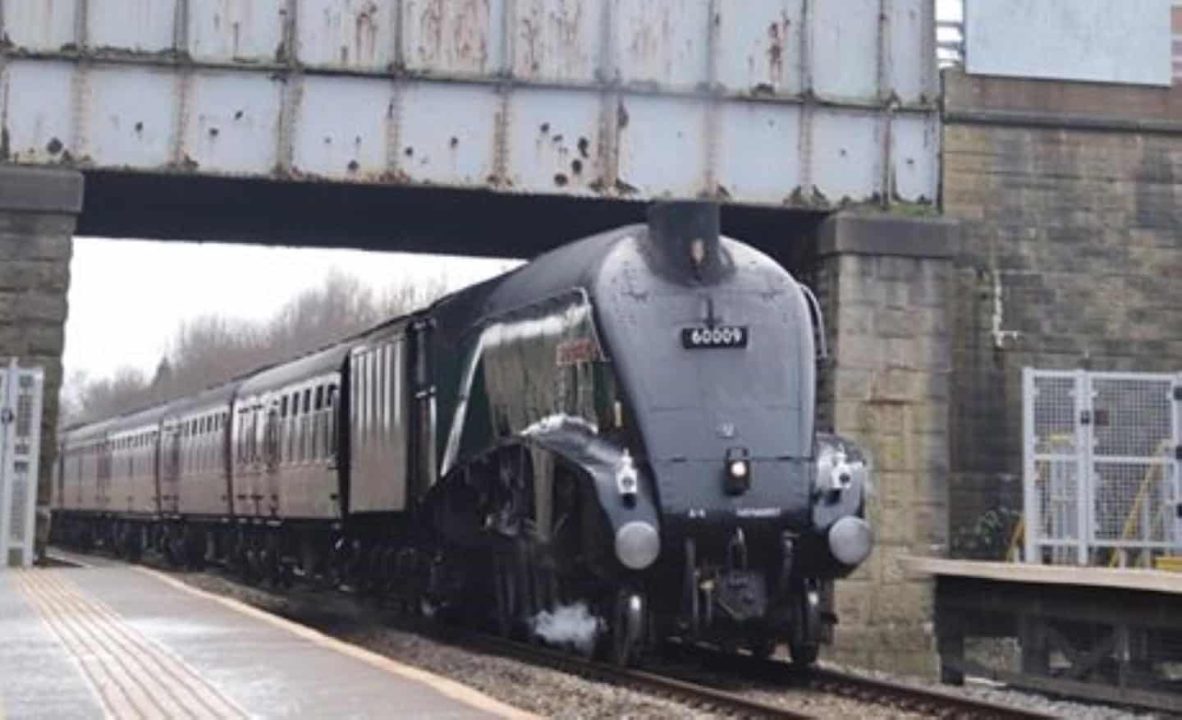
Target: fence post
[
  {"x": 1176, "y": 393},
  {"x": 7, "y": 377},
  {"x": 1032, "y": 523},
  {"x": 1083, "y": 484}
]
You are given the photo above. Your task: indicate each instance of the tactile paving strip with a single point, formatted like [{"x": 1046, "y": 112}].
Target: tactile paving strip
[{"x": 132, "y": 675}]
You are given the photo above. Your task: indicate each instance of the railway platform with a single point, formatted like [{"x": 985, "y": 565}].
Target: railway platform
[
  {"x": 119, "y": 641},
  {"x": 1103, "y": 634}
]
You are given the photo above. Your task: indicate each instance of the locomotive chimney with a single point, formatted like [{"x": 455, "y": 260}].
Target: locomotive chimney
[{"x": 683, "y": 241}]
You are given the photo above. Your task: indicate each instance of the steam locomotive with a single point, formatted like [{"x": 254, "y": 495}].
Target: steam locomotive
[{"x": 624, "y": 425}]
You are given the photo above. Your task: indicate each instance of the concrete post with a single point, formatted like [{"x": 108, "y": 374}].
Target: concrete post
[
  {"x": 884, "y": 281},
  {"x": 38, "y": 209}
]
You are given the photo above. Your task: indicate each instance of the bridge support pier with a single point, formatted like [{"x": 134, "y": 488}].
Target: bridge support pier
[
  {"x": 885, "y": 281},
  {"x": 38, "y": 209}
]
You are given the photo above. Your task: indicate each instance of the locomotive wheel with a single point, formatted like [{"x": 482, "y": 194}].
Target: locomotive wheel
[
  {"x": 626, "y": 631},
  {"x": 135, "y": 545},
  {"x": 252, "y": 567},
  {"x": 764, "y": 648},
  {"x": 805, "y": 643},
  {"x": 194, "y": 542},
  {"x": 505, "y": 582},
  {"x": 804, "y": 654},
  {"x": 269, "y": 565}
]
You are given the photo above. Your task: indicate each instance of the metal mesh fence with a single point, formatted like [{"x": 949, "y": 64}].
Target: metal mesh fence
[
  {"x": 1055, "y": 415},
  {"x": 1102, "y": 474},
  {"x": 1132, "y": 417}
]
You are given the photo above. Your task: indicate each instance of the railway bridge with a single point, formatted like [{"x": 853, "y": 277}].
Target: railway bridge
[{"x": 508, "y": 126}]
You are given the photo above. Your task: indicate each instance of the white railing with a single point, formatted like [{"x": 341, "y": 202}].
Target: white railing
[
  {"x": 20, "y": 446},
  {"x": 950, "y": 33}
]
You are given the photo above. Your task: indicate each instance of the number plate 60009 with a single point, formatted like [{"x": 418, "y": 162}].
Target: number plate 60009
[{"x": 719, "y": 336}]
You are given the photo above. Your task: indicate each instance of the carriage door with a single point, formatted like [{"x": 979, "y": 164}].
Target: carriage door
[
  {"x": 169, "y": 468},
  {"x": 270, "y": 453},
  {"x": 422, "y": 416}
]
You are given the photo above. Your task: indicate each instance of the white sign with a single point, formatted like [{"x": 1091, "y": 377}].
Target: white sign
[
  {"x": 1124, "y": 42},
  {"x": 20, "y": 446}
]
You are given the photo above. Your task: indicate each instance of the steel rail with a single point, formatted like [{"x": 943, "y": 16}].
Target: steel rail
[
  {"x": 905, "y": 696},
  {"x": 932, "y": 701},
  {"x": 681, "y": 688}
]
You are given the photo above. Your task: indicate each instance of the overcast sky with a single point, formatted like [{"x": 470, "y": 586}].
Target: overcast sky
[{"x": 127, "y": 297}]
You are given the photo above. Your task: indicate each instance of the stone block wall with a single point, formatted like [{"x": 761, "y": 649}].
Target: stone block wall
[
  {"x": 37, "y": 212},
  {"x": 1070, "y": 197},
  {"x": 884, "y": 283}
]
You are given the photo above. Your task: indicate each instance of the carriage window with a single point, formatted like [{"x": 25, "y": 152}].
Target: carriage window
[
  {"x": 295, "y": 404},
  {"x": 283, "y": 406},
  {"x": 319, "y": 397},
  {"x": 307, "y": 400},
  {"x": 330, "y": 395}
]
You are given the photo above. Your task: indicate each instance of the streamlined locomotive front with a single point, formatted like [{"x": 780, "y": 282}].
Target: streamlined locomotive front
[{"x": 713, "y": 345}]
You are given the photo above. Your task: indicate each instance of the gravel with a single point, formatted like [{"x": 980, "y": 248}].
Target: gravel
[
  {"x": 557, "y": 694},
  {"x": 547, "y": 692},
  {"x": 537, "y": 689},
  {"x": 985, "y": 690}
]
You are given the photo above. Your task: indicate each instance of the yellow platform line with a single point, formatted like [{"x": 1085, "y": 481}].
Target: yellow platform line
[
  {"x": 133, "y": 675},
  {"x": 112, "y": 697},
  {"x": 445, "y": 686},
  {"x": 185, "y": 677}
]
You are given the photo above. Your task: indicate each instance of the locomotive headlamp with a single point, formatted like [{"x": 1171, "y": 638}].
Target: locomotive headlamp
[
  {"x": 835, "y": 471},
  {"x": 627, "y": 479},
  {"x": 637, "y": 544},
  {"x": 738, "y": 471}
]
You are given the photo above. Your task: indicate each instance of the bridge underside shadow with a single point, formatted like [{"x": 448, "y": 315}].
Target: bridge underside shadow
[{"x": 389, "y": 218}]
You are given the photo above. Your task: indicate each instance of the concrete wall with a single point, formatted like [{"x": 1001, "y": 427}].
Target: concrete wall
[
  {"x": 1071, "y": 202},
  {"x": 37, "y": 212},
  {"x": 884, "y": 282}
]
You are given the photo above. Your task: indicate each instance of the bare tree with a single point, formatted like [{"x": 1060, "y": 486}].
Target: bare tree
[{"x": 212, "y": 349}]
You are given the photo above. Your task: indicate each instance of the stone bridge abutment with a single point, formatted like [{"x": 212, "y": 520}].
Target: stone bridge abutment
[{"x": 38, "y": 211}]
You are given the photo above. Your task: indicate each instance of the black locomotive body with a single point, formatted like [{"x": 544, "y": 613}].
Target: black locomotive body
[{"x": 624, "y": 426}]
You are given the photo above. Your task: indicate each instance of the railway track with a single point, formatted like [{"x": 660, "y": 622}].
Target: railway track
[
  {"x": 929, "y": 701},
  {"x": 922, "y": 700},
  {"x": 684, "y": 691},
  {"x": 697, "y": 693},
  {"x": 708, "y": 681}
]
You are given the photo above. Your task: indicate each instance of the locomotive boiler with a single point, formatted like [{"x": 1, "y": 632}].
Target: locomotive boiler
[{"x": 624, "y": 425}]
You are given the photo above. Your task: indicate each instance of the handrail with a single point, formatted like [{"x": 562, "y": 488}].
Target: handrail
[{"x": 818, "y": 322}]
